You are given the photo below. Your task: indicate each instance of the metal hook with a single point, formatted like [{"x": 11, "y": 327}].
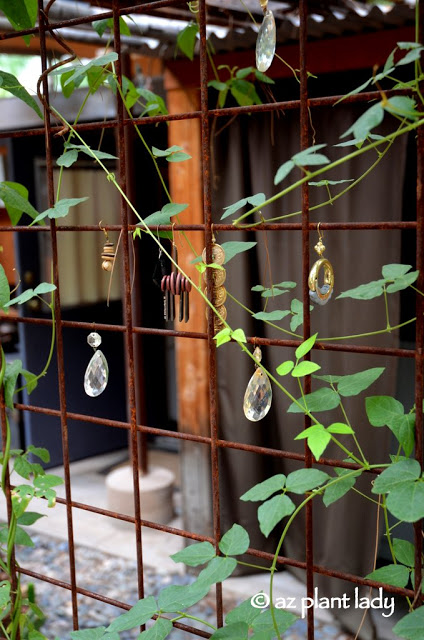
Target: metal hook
[
  {"x": 213, "y": 235},
  {"x": 104, "y": 231},
  {"x": 320, "y": 233}
]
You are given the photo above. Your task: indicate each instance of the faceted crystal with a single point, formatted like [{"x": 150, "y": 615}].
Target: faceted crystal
[
  {"x": 96, "y": 375},
  {"x": 94, "y": 340},
  {"x": 265, "y": 43},
  {"x": 258, "y": 396}
]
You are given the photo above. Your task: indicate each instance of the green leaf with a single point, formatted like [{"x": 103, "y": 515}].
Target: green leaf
[
  {"x": 22, "y": 467},
  {"x": 29, "y": 517},
  {"x": 265, "y": 489},
  {"x": 310, "y": 157},
  {"x": 317, "y": 437},
  {"x": 403, "y": 282},
  {"x": 15, "y": 198},
  {"x": 195, "y": 554},
  {"x": 411, "y": 56},
  {"x": 178, "y": 156},
  {"x": 21, "y": 15},
  {"x": 48, "y": 481},
  {"x": 235, "y": 542},
  {"x": 160, "y": 630},
  {"x": 406, "y": 501},
  {"x": 356, "y": 383},
  {"x": 255, "y": 200},
  {"x": 411, "y": 626},
  {"x": 402, "y": 105},
  {"x": 329, "y": 378},
  {"x": 245, "y": 612},
  {"x": 340, "y": 427},
  {"x": 395, "y": 574},
  {"x": 285, "y": 367},
  {"x": 271, "y": 512},
  {"x": 223, "y": 336},
  {"x": 284, "y": 171},
  {"x": 404, "y": 552},
  {"x": 40, "y": 452},
  {"x": 397, "y": 474},
  {"x": 186, "y": 39},
  {"x": 393, "y": 271},
  {"x": 305, "y": 347},
  {"x": 219, "y": 86},
  {"x": 4, "y": 288},
  {"x": 67, "y": 158},
  {"x": 233, "y": 248},
  {"x": 367, "y": 291},
  {"x": 44, "y": 287},
  {"x": 5, "y": 594},
  {"x": 366, "y": 122},
  {"x": 60, "y": 209},
  {"x": 264, "y": 623},
  {"x": 273, "y": 292},
  {"x": 9, "y": 83},
  {"x": 326, "y": 183},
  {"x": 382, "y": 410},
  {"x": 320, "y": 400},
  {"x": 21, "y": 537},
  {"x": 234, "y": 631},
  {"x": 271, "y": 316},
  {"x": 357, "y": 90},
  {"x": 304, "y": 480},
  {"x": 13, "y": 369},
  {"x": 88, "y": 634},
  {"x": 80, "y": 70},
  {"x": 244, "y": 92},
  {"x": 238, "y": 335},
  {"x": 139, "y": 614},
  {"x": 305, "y": 368},
  {"x": 337, "y": 490},
  {"x": 403, "y": 428}
]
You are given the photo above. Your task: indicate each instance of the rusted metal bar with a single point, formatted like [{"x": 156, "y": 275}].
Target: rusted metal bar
[
  {"x": 304, "y": 144},
  {"x": 419, "y": 331},
  {"x": 43, "y": 19},
  {"x": 213, "y": 396},
  {"x": 288, "y": 105},
  {"x": 276, "y": 226},
  {"x": 127, "y": 305}
]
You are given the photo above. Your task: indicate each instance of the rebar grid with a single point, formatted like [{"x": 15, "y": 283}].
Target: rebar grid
[{"x": 213, "y": 441}]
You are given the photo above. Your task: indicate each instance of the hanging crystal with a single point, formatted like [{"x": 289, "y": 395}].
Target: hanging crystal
[
  {"x": 266, "y": 41},
  {"x": 258, "y": 395},
  {"x": 96, "y": 375}
]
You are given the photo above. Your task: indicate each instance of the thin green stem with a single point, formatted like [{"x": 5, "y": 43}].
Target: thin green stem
[
  {"x": 364, "y": 495},
  {"x": 353, "y": 434},
  {"x": 332, "y": 165},
  {"x": 369, "y": 333},
  {"x": 6, "y": 635},
  {"x": 349, "y": 453},
  {"x": 51, "y": 351},
  {"x": 386, "y": 306},
  {"x": 189, "y": 617}
]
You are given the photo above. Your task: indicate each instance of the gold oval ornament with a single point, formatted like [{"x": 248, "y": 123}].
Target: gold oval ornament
[{"x": 323, "y": 293}]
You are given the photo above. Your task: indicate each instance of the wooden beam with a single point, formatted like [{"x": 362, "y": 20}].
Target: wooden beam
[
  {"x": 18, "y": 46},
  {"x": 347, "y": 53}
]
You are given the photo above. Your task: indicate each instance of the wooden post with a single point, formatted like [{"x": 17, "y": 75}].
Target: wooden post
[{"x": 191, "y": 355}]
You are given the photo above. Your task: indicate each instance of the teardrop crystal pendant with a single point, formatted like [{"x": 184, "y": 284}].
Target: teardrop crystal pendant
[
  {"x": 265, "y": 43},
  {"x": 97, "y": 372},
  {"x": 258, "y": 395}
]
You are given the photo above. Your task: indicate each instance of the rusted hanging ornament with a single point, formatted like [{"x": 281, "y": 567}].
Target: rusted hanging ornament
[
  {"x": 266, "y": 40},
  {"x": 108, "y": 253},
  {"x": 219, "y": 292}
]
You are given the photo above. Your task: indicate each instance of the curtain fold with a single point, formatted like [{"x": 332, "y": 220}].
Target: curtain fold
[{"x": 245, "y": 162}]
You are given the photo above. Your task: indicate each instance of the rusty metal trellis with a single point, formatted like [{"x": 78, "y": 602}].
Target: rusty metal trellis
[{"x": 213, "y": 441}]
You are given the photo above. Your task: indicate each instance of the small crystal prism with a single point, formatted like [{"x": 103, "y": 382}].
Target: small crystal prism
[
  {"x": 96, "y": 375},
  {"x": 257, "y": 354},
  {"x": 94, "y": 340},
  {"x": 258, "y": 396},
  {"x": 266, "y": 41}
]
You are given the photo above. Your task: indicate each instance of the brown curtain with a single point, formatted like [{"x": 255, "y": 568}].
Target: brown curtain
[{"x": 247, "y": 154}]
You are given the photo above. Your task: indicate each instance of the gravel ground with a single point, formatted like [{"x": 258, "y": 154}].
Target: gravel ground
[{"x": 115, "y": 578}]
